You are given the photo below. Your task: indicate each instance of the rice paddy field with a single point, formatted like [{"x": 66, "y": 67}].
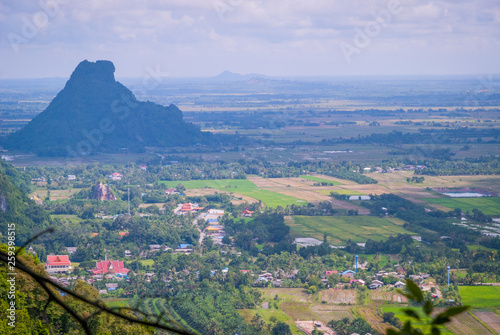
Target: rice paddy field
[
  {"x": 241, "y": 186},
  {"x": 480, "y": 296},
  {"x": 487, "y": 205},
  {"x": 342, "y": 228}
]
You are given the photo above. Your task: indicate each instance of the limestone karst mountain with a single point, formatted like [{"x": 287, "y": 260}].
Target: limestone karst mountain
[{"x": 95, "y": 113}]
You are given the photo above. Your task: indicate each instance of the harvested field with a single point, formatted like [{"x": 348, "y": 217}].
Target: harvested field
[
  {"x": 286, "y": 294},
  {"x": 466, "y": 324},
  {"x": 334, "y": 296},
  {"x": 375, "y": 320},
  {"x": 491, "y": 319},
  {"x": 396, "y": 182},
  {"x": 387, "y": 296},
  {"x": 328, "y": 312},
  {"x": 298, "y": 311}
]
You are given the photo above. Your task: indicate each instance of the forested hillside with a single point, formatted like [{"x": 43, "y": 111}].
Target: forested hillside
[{"x": 16, "y": 207}]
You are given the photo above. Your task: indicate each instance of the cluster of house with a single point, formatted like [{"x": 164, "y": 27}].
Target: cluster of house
[
  {"x": 214, "y": 229},
  {"x": 182, "y": 248},
  {"x": 379, "y": 169},
  {"x": 171, "y": 191},
  {"x": 56, "y": 264}
]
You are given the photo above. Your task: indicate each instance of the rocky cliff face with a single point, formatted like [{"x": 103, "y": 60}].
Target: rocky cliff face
[{"x": 102, "y": 192}]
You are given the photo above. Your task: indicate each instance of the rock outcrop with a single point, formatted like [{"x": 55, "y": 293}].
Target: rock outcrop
[{"x": 102, "y": 192}]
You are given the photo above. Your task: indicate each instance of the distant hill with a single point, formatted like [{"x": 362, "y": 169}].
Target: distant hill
[
  {"x": 231, "y": 76},
  {"x": 95, "y": 113}
]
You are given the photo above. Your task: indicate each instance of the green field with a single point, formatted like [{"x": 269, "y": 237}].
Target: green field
[
  {"x": 320, "y": 180},
  {"x": 342, "y": 228},
  {"x": 480, "y": 296},
  {"x": 241, "y": 186},
  {"x": 487, "y": 205}
]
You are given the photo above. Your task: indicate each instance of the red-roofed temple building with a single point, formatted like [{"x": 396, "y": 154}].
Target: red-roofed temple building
[{"x": 109, "y": 267}]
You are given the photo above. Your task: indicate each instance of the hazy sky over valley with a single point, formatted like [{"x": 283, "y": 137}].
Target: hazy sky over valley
[{"x": 48, "y": 38}]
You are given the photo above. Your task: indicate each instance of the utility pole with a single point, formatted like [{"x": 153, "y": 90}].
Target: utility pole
[
  {"x": 356, "y": 263},
  {"x": 448, "y": 276}
]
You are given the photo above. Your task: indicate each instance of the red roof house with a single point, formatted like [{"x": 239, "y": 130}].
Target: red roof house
[
  {"x": 329, "y": 273},
  {"x": 109, "y": 267},
  {"x": 171, "y": 191},
  {"x": 247, "y": 213},
  {"x": 57, "y": 264}
]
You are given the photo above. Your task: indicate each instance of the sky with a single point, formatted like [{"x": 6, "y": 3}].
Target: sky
[{"x": 197, "y": 38}]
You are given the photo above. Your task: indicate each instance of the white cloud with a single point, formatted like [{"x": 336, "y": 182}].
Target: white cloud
[{"x": 270, "y": 36}]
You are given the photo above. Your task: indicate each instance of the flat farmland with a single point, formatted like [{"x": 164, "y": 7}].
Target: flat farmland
[
  {"x": 466, "y": 324},
  {"x": 487, "y": 205},
  {"x": 396, "y": 183},
  {"x": 327, "y": 312},
  {"x": 286, "y": 294},
  {"x": 339, "y": 191},
  {"x": 480, "y": 296},
  {"x": 320, "y": 180},
  {"x": 342, "y": 228},
  {"x": 333, "y": 296},
  {"x": 238, "y": 198},
  {"x": 299, "y": 311},
  {"x": 491, "y": 319},
  {"x": 375, "y": 320},
  {"x": 241, "y": 186},
  {"x": 57, "y": 194}
]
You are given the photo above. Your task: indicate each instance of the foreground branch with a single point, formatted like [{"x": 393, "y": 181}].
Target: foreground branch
[{"x": 45, "y": 283}]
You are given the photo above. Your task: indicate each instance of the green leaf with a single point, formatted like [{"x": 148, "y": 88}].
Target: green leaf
[
  {"x": 445, "y": 316},
  {"x": 455, "y": 310},
  {"x": 415, "y": 290},
  {"x": 391, "y": 331},
  {"x": 435, "y": 331},
  {"x": 440, "y": 319},
  {"x": 408, "y": 295},
  {"x": 411, "y": 313},
  {"x": 428, "y": 307},
  {"x": 407, "y": 327}
]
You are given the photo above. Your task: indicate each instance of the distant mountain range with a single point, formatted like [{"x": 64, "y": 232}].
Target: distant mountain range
[
  {"x": 95, "y": 113},
  {"x": 231, "y": 76}
]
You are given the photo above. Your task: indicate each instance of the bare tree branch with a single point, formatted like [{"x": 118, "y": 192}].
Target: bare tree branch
[{"x": 45, "y": 282}]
